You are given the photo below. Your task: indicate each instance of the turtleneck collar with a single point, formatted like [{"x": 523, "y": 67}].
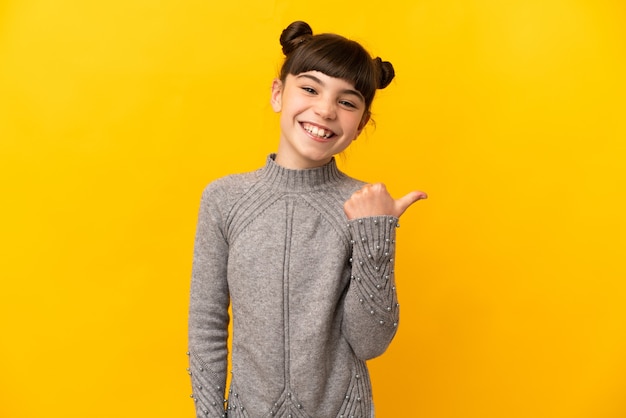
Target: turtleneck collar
[{"x": 299, "y": 180}]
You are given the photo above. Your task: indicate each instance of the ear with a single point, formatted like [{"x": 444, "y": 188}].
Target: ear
[{"x": 277, "y": 95}]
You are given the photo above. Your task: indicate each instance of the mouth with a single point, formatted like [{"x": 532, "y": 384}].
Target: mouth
[{"x": 317, "y": 131}]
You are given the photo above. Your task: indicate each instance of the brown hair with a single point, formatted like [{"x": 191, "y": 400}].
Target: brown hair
[{"x": 334, "y": 56}]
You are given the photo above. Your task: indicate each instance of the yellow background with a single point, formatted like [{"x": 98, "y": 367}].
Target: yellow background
[{"x": 510, "y": 114}]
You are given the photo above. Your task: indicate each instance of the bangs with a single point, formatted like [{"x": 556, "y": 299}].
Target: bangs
[{"x": 336, "y": 57}]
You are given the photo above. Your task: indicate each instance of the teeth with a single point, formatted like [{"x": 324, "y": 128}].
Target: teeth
[{"x": 321, "y": 132}]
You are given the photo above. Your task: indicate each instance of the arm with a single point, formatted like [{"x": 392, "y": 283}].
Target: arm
[
  {"x": 371, "y": 311},
  {"x": 208, "y": 310},
  {"x": 370, "y": 307}
]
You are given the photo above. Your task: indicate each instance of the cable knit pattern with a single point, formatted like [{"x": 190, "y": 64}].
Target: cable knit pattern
[{"x": 313, "y": 296}]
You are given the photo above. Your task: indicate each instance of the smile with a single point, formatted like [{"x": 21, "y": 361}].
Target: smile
[{"x": 317, "y": 130}]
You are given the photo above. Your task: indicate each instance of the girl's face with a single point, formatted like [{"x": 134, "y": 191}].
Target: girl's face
[{"x": 320, "y": 117}]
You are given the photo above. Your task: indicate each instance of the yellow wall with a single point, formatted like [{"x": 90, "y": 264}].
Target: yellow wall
[{"x": 510, "y": 114}]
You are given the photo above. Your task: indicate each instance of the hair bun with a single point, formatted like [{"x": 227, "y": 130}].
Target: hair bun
[
  {"x": 386, "y": 73},
  {"x": 294, "y": 35}
]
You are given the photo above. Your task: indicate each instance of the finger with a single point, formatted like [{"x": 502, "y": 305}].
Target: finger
[{"x": 403, "y": 203}]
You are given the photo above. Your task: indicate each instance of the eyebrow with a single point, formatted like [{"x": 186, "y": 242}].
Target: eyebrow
[{"x": 345, "y": 91}]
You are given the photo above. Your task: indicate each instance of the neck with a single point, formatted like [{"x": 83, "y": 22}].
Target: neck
[
  {"x": 300, "y": 179},
  {"x": 299, "y": 164}
]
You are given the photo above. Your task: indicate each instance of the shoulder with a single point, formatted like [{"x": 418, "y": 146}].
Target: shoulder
[
  {"x": 228, "y": 187},
  {"x": 222, "y": 194},
  {"x": 348, "y": 185},
  {"x": 232, "y": 182}
]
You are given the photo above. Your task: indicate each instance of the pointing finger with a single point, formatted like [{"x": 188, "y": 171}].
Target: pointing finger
[{"x": 403, "y": 203}]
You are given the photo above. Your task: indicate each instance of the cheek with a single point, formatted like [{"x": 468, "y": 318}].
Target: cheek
[
  {"x": 355, "y": 122},
  {"x": 293, "y": 106}
]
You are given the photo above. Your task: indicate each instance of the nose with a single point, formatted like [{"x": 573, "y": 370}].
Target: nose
[{"x": 326, "y": 108}]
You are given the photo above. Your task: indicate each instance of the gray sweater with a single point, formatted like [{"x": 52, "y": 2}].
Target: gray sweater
[{"x": 312, "y": 296}]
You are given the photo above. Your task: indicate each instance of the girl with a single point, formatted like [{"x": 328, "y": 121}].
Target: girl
[{"x": 303, "y": 252}]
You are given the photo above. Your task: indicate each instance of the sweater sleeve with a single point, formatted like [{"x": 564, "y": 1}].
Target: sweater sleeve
[
  {"x": 371, "y": 310},
  {"x": 208, "y": 309}
]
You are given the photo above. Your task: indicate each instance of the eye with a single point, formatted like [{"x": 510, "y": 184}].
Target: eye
[
  {"x": 309, "y": 90},
  {"x": 347, "y": 104}
]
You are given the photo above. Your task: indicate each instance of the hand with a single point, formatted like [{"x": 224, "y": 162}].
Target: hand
[{"x": 375, "y": 200}]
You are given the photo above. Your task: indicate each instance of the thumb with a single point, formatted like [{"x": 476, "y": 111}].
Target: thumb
[{"x": 403, "y": 203}]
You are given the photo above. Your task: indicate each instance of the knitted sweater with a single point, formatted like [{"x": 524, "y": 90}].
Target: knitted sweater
[{"x": 312, "y": 296}]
